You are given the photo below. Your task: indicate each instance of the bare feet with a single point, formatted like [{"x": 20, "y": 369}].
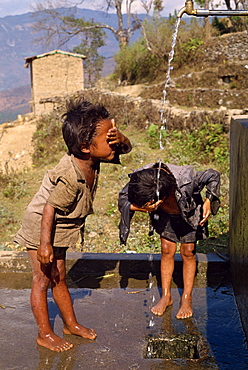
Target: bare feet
[
  {"x": 54, "y": 343},
  {"x": 57, "y": 344},
  {"x": 81, "y": 331},
  {"x": 162, "y": 304},
  {"x": 185, "y": 310}
]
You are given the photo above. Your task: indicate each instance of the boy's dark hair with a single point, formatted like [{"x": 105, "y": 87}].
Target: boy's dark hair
[
  {"x": 142, "y": 187},
  {"x": 80, "y": 123}
]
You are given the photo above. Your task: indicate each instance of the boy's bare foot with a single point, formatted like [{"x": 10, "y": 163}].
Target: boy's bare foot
[
  {"x": 185, "y": 310},
  {"x": 162, "y": 304},
  {"x": 81, "y": 331},
  {"x": 54, "y": 343}
]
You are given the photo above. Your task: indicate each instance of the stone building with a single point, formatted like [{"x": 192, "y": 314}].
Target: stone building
[{"x": 54, "y": 74}]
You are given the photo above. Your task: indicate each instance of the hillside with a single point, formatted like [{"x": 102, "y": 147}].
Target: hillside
[{"x": 14, "y": 102}]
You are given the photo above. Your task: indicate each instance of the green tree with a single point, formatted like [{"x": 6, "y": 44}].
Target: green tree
[
  {"x": 56, "y": 19},
  {"x": 93, "y": 64},
  {"x": 157, "y": 33},
  {"x": 135, "y": 63},
  {"x": 147, "y": 58}
]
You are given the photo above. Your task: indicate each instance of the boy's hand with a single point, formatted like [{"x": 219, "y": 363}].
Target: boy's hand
[
  {"x": 45, "y": 254},
  {"x": 206, "y": 211},
  {"x": 114, "y": 136},
  {"x": 149, "y": 207}
]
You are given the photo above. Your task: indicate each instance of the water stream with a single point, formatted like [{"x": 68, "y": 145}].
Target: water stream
[
  {"x": 150, "y": 257},
  {"x": 162, "y": 128},
  {"x": 151, "y": 322},
  {"x": 163, "y": 119}
]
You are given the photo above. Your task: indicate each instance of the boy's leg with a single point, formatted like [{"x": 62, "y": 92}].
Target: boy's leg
[
  {"x": 189, "y": 268},
  {"x": 63, "y": 300},
  {"x": 38, "y": 300},
  {"x": 168, "y": 250}
]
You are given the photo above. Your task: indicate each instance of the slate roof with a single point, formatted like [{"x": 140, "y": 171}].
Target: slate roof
[{"x": 30, "y": 59}]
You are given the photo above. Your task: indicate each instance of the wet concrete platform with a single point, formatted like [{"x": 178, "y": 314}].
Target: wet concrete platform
[{"x": 115, "y": 300}]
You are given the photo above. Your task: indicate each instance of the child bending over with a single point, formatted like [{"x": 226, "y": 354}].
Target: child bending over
[
  {"x": 172, "y": 196},
  {"x": 55, "y": 217}
]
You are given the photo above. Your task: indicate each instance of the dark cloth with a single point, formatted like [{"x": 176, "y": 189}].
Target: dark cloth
[
  {"x": 190, "y": 183},
  {"x": 175, "y": 228},
  {"x": 58, "y": 251}
]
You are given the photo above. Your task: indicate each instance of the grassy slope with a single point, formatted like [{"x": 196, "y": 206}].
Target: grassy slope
[{"x": 101, "y": 234}]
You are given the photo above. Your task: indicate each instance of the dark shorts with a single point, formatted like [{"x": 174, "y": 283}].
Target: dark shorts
[
  {"x": 58, "y": 251},
  {"x": 174, "y": 228}
]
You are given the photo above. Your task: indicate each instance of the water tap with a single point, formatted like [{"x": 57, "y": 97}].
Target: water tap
[{"x": 189, "y": 10}]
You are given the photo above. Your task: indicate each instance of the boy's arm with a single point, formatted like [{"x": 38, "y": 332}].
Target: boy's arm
[
  {"x": 211, "y": 180},
  {"x": 45, "y": 250},
  {"x": 115, "y": 137},
  {"x": 148, "y": 208},
  {"x": 206, "y": 211},
  {"x": 127, "y": 211}
]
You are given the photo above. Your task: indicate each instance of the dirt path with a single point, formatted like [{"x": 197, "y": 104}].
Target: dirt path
[
  {"x": 131, "y": 90},
  {"x": 16, "y": 146}
]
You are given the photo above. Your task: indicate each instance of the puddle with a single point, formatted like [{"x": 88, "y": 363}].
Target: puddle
[{"x": 118, "y": 306}]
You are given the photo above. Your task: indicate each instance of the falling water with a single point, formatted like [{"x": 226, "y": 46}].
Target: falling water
[
  {"x": 158, "y": 177},
  {"x": 150, "y": 257},
  {"x": 162, "y": 128},
  {"x": 167, "y": 81}
]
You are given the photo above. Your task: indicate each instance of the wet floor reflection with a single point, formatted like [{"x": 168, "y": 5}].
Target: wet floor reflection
[
  {"x": 121, "y": 319},
  {"x": 59, "y": 361}
]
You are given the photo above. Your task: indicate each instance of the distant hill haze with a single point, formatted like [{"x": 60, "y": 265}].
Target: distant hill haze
[{"x": 14, "y": 102}]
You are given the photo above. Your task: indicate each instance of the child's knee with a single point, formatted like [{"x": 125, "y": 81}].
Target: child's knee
[
  {"x": 187, "y": 250},
  {"x": 168, "y": 248},
  {"x": 41, "y": 282}
]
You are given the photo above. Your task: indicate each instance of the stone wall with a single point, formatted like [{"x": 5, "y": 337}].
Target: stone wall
[
  {"x": 217, "y": 76},
  {"x": 141, "y": 112},
  {"x": 238, "y": 241},
  {"x": 204, "y": 97},
  {"x": 54, "y": 75},
  {"x": 209, "y": 98},
  {"x": 226, "y": 48}
]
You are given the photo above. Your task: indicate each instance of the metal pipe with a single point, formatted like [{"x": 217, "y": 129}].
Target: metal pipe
[
  {"x": 189, "y": 10},
  {"x": 206, "y": 13}
]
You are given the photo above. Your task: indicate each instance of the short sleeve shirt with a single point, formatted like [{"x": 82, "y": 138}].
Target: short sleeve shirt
[{"x": 64, "y": 188}]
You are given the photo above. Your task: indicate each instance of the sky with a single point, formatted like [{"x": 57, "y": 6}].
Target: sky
[{"x": 14, "y": 7}]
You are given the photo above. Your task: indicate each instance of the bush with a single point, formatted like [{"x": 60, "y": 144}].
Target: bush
[
  {"x": 13, "y": 185},
  {"x": 135, "y": 63},
  {"x": 6, "y": 217},
  {"x": 155, "y": 135},
  {"x": 47, "y": 140},
  {"x": 207, "y": 144},
  {"x": 146, "y": 59}
]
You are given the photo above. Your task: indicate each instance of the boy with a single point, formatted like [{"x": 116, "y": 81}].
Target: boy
[
  {"x": 55, "y": 217},
  {"x": 171, "y": 195}
]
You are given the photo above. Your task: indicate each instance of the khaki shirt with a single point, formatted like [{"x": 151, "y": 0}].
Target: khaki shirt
[{"x": 64, "y": 188}]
